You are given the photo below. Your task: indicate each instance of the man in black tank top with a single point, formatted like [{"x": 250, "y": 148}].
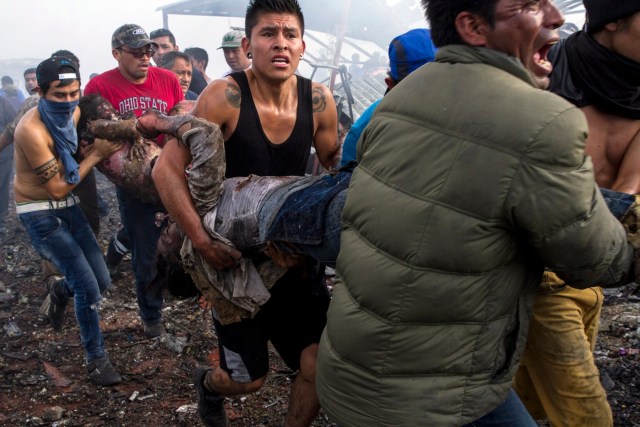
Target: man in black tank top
[{"x": 269, "y": 118}]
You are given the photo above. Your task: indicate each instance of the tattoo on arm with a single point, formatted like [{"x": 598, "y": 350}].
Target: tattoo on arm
[
  {"x": 47, "y": 171},
  {"x": 318, "y": 100},
  {"x": 232, "y": 92}
]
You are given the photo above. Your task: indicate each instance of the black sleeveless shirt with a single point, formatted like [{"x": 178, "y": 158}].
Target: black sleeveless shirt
[{"x": 249, "y": 151}]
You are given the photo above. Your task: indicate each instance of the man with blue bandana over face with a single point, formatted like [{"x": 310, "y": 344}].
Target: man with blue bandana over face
[{"x": 45, "y": 142}]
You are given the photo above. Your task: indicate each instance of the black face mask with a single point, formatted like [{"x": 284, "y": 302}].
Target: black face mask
[{"x": 607, "y": 80}]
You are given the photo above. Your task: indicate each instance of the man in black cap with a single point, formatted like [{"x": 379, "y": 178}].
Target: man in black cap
[
  {"x": 598, "y": 70},
  {"x": 132, "y": 87},
  {"x": 85, "y": 190},
  {"x": 46, "y": 174}
]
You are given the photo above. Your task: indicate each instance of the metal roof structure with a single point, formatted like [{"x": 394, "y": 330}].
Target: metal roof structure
[
  {"x": 372, "y": 20},
  {"x": 570, "y": 6},
  {"x": 350, "y": 22}
]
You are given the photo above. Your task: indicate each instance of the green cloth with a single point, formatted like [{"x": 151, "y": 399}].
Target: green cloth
[{"x": 470, "y": 181}]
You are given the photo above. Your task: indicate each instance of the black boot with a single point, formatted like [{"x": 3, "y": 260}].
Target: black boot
[
  {"x": 58, "y": 297},
  {"x": 102, "y": 372},
  {"x": 210, "y": 404}
]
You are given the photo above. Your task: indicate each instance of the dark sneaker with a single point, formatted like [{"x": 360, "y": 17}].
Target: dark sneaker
[
  {"x": 152, "y": 330},
  {"x": 58, "y": 299},
  {"x": 102, "y": 372},
  {"x": 103, "y": 208},
  {"x": 113, "y": 258},
  {"x": 210, "y": 404}
]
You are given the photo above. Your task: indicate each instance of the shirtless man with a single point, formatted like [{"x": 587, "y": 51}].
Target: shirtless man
[
  {"x": 292, "y": 113},
  {"x": 597, "y": 70},
  {"x": 46, "y": 174}
]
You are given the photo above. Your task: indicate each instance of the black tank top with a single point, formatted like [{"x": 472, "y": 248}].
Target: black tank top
[{"x": 249, "y": 151}]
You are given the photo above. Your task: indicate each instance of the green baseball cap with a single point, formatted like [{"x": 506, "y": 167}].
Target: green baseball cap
[{"x": 232, "y": 39}]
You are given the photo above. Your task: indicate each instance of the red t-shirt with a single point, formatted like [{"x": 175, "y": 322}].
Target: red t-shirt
[{"x": 161, "y": 90}]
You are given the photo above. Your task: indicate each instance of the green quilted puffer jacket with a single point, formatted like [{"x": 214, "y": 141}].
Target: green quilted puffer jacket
[{"x": 470, "y": 181}]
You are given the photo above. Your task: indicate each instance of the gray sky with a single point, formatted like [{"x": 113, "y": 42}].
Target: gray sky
[{"x": 36, "y": 28}]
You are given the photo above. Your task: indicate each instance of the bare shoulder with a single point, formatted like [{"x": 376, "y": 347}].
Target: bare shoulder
[
  {"x": 30, "y": 129},
  {"x": 325, "y": 119},
  {"x": 219, "y": 101},
  {"x": 321, "y": 98}
]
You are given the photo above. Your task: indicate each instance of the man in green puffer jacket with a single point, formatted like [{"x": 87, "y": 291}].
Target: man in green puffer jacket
[{"x": 471, "y": 180}]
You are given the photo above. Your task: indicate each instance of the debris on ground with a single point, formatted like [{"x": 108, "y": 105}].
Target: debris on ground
[{"x": 43, "y": 378}]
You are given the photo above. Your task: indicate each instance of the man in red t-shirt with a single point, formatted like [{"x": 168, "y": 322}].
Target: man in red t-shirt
[{"x": 132, "y": 87}]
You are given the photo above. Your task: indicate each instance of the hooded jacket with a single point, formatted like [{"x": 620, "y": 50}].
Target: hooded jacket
[{"x": 470, "y": 181}]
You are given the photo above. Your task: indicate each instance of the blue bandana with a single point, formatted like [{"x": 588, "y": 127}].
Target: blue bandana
[{"x": 58, "y": 118}]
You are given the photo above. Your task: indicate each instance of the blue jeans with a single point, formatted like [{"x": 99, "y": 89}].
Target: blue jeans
[
  {"x": 327, "y": 251},
  {"x": 511, "y": 413},
  {"x": 139, "y": 219},
  {"x": 64, "y": 237},
  {"x": 617, "y": 202}
]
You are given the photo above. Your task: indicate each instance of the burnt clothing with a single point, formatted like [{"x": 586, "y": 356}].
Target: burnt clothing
[
  {"x": 587, "y": 73},
  {"x": 249, "y": 151},
  {"x": 234, "y": 213}
]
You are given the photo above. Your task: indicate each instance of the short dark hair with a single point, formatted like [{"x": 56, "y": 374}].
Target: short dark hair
[
  {"x": 162, "y": 32},
  {"x": 67, "y": 54},
  {"x": 258, "y": 7},
  {"x": 6, "y": 80},
  {"x": 29, "y": 71},
  {"x": 198, "y": 54},
  {"x": 168, "y": 59},
  {"x": 442, "y": 14}
]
